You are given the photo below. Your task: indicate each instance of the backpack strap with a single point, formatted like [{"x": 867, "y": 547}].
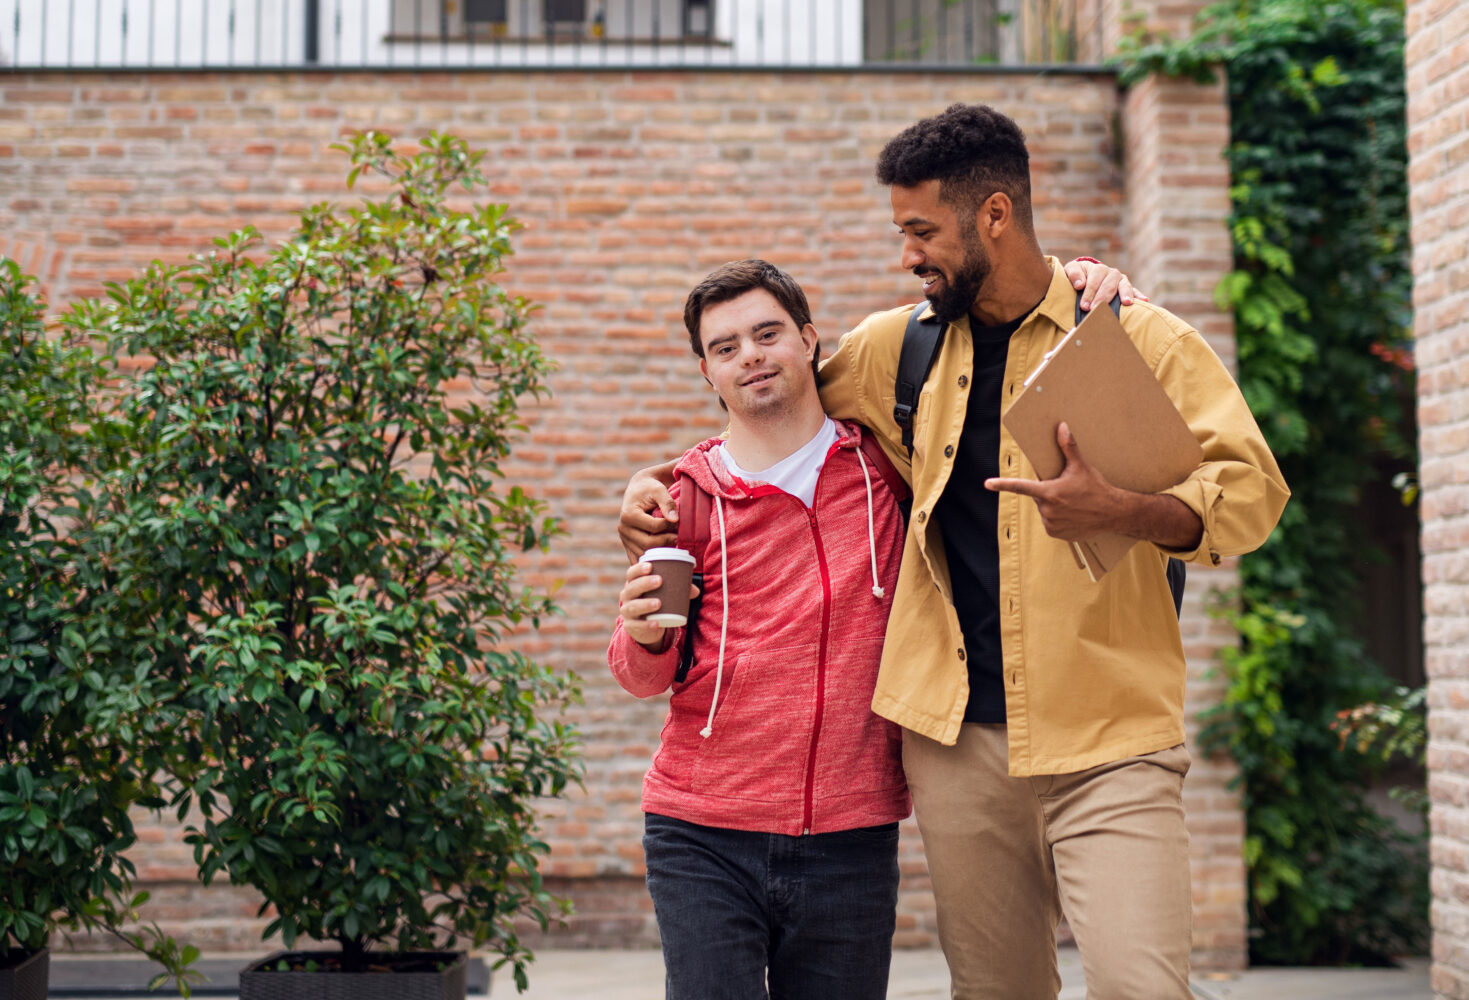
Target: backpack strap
[
  {"x": 1177, "y": 576},
  {"x": 1177, "y": 569},
  {"x": 883, "y": 466},
  {"x": 1116, "y": 305},
  {"x": 921, "y": 342},
  {"x": 694, "y": 509}
]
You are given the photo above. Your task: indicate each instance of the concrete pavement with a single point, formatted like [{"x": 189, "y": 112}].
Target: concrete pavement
[
  {"x": 916, "y": 975},
  {"x": 922, "y": 975}
]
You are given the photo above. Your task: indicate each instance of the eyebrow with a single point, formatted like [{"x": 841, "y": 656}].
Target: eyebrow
[
  {"x": 917, "y": 220},
  {"x": 760, "y": 327}
]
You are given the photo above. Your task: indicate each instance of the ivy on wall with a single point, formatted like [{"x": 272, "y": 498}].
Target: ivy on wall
[{"x": 1321, "y": 294}]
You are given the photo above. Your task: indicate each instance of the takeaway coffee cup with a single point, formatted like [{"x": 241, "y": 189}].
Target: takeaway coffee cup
[{"x": 676, "y": 567}]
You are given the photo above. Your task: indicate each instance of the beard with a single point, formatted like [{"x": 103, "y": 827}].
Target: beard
[{"x": 957, "y": 292}]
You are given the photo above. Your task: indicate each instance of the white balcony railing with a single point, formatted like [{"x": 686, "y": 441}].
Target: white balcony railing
[{"x": 241, "y": 34}]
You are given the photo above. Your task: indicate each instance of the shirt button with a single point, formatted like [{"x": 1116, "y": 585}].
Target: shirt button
[
  {"x": 961, "y": 656},
  {"x": 949, "y": 451},
  {"x": 922, "y": 516},
  {"x": 963, "y": 381}
]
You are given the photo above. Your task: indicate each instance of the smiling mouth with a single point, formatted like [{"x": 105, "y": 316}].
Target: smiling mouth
[
  {"x": 930, "y": 278},
  {"x": 759, "y": 379}
]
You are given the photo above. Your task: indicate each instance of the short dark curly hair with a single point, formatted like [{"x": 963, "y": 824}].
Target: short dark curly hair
[{"x": 972, "y": 150}]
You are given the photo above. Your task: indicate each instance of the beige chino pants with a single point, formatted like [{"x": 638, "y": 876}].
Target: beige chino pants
[{"x": 1106, "y": 846}]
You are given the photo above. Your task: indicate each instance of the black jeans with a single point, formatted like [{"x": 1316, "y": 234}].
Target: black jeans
[{"x": 816, "y": 913}]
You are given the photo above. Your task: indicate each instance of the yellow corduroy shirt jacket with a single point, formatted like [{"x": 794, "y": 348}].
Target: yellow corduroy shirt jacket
[{"x": 1093, "y": 672}]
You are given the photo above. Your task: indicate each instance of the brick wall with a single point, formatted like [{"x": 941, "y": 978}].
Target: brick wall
[
  {"x": 631, "y": 186},
  {"x": 1438, "y": 150}
]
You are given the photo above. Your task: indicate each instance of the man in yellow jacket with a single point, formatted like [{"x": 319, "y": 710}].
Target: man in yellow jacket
[{"x": 1042, "y": 712}]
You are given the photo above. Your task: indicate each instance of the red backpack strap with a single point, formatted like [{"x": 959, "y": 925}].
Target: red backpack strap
[
  {"x": 694, "y": 510},
  {"x": 878, "y": 459}
]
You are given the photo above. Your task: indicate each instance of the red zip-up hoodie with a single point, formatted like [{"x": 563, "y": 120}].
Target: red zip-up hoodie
[{"x": 792, "y": 745}]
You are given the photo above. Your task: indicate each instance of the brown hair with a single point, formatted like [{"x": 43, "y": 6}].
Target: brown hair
[{"x": 730, "y": 281}]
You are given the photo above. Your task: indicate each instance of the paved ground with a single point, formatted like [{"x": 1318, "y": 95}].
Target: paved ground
[
  {"x": 917, "y": 975},
  {"x": 1409, "y": 983},
  {"x": 921, "y": 975}
]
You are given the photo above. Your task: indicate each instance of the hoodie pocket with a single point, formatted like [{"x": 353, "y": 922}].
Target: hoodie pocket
[
  {"x": 762, "y": 728},
  {"x": 860, "y": 752}
]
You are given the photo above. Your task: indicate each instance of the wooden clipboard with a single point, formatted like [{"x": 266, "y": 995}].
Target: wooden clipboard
[{"x": 1097, "y": 382}]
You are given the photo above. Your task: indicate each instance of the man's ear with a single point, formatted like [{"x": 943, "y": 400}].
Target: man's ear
[
  {"x": 996, "y": 215},
  {"x": 810, "y": 338}
]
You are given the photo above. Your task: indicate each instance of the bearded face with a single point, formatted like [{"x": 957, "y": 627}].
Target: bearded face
[{"x": 952, "y": 289}]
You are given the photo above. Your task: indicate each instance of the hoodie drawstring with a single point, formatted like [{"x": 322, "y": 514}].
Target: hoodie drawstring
[
  {"x": 877, "y": 590},
  {"x": 708, "y": 729}
]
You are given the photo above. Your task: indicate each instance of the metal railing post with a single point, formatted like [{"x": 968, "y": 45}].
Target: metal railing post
[{"x": 311, "y": 44}]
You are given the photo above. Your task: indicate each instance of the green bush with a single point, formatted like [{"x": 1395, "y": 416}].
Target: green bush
[
  {"x": 69, "y": 732},
  {"x": 1321, "y": 294},
  {"x": 314, "y": 542}
]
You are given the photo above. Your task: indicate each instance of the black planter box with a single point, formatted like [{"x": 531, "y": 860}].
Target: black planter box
[
  {"x": 329, "y": 984},
  {"x": 27, "y": 980}
]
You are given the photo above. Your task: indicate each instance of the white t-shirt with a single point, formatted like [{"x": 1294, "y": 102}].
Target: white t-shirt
[{"x": 797, "y": 473}]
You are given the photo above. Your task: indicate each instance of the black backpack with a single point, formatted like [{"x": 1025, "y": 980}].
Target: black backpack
[{"x": 921, "y": 343}]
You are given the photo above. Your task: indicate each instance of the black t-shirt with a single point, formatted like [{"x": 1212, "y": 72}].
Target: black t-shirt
[{"x": 968, "y": 518}]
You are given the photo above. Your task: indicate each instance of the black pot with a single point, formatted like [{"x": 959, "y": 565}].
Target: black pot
[
  {"x": 27, "y": 979},
  {"x": 259, "y": 982}
]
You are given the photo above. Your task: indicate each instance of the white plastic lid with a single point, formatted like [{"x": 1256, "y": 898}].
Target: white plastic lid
[{"x": 667, "y": 555}]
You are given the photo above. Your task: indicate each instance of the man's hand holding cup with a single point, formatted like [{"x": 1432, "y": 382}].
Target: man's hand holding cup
[{"x": 656, "y": 596}]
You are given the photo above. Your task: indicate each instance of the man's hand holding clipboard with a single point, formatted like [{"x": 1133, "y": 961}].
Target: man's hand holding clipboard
[{"x": 1104, "y": 438}]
